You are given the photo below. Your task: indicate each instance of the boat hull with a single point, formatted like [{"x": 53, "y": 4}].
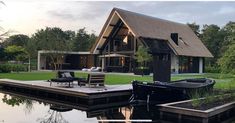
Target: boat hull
[{"x": 162, "y": 92}]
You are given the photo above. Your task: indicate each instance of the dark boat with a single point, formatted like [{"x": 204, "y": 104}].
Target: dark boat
[{"x": 164, "y": 92}]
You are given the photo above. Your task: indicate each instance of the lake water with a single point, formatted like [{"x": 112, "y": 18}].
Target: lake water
[{"x": 20, "y": 109}]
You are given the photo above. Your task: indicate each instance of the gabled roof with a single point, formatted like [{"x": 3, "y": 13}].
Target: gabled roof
[{"x": 145, "y": 26}]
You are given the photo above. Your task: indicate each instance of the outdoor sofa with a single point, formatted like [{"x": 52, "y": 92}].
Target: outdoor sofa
[{"x": 64, "y": 77}]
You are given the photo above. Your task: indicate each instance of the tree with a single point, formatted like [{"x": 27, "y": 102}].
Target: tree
[
  {"x": 18, "y": 40},
  {"x": 227, "y": 61},
  {"x": 31, "y": 50},
  {"x": 213, "y": 38},
  {"x": 2, "y": 54},
  {"x": 229, "y": 30},
  {"x": 53, "y": 39},
  {"x": 142, "y": 56},
  {"x": 195, "y": 28},
  {"x": 83, "y": 41},
  {"x": 17, "y": 53}
]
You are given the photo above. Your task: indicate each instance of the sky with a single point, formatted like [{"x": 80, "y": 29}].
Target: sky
[{"x": 27, "y": 16}]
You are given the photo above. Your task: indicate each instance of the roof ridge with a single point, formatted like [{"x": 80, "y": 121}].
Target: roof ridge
[{"x": 149, "y": 16}]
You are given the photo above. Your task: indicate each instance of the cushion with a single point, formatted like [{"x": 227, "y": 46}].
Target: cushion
[
  {"x": 67, "y": 75},
  {"x": 62, "y": 75}
]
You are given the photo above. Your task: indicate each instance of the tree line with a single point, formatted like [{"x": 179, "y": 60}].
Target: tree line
[
  {"x": 24, "y": 48},
  {"x": 221, "y": 43},
  {"x": 219, "y": 40}
]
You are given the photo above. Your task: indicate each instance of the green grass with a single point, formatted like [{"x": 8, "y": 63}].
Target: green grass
[
  {"x": 223, "y": 81},
  {"x": 109, "y": 79}
]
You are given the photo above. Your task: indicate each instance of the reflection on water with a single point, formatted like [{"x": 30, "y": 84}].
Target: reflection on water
[
  {"x": 52, "y": 117},
  {"x": 17, "y": 101},
  {"x": 19, "y": 109}
]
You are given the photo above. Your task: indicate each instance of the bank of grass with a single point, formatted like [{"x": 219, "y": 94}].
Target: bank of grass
[{"x": 223, "y": 81}]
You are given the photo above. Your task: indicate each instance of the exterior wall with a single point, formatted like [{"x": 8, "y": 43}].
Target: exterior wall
[
  {"x": 72, "y": 60},
  {"x": 91, "y": 61},
  {"x": 174, "y": 63},
  {"x": 201, "y": 65},
  {"x": 42, "y": 63}
]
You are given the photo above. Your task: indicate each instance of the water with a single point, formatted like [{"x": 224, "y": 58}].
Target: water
[{"x": 20, "y": 109}]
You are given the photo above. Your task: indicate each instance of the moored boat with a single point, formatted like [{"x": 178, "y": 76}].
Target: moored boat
[{"x": 163, "y": 92}]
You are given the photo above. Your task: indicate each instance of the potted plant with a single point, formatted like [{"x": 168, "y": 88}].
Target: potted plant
[{"x": 142, "y": 57}]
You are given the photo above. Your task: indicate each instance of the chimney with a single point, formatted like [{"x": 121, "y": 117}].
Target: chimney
[{"x": 174, "y": 37}]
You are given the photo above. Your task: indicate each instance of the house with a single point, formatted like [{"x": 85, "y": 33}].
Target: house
[
  {"x": 124, "y": 31},
  {"x": 71, "y": 60}
]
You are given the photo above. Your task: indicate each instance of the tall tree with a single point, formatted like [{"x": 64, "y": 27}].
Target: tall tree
[
  {"x": 227, "y": 61},
  {"x": 195, "y": 27},
  {"x": 2, "y": 54},
  {"x": 31, "y": 50},
  {"x": 18, "y": 40},
  {"x": 213, "y": 38},
  {"x": 53, "y": 39},
  {"x": 229, "y": 31},
  {"x": 83, "y": 41}
]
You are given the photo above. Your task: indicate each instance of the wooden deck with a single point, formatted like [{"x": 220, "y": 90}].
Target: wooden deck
[{"x": 77, "y": 94}]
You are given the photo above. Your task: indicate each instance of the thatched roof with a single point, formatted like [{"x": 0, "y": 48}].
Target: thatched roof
[{"x": 145, "y": 26}]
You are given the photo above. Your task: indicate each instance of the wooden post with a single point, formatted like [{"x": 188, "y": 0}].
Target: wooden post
[
  {"x": 135, "y": 42},
  {"x": 102, "y": 64}
]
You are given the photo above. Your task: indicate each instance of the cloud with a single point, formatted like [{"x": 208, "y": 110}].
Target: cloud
[
  {"x": 93, "y": 14},
  {"x": 226, "y": 10},
  {"x": 62, "y": 15}
]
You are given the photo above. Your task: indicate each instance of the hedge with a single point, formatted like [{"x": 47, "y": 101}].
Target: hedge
[{"x": 7, "y": 68}]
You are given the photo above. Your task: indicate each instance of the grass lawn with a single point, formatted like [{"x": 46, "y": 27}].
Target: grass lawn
[{"x": 224, "y": 81}]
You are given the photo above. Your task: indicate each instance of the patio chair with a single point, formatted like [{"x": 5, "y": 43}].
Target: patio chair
[
  {"x": 64, "y": 77},
  {"x": 93, "y": 79}
]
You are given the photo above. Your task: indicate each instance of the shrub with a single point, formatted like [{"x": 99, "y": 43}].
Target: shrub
[
  {"x": 226, "y": 62},
  {"x": 7, "y": 68},
  {"x": 210, "y": 69},
  {"x": 4, "y": 68}
]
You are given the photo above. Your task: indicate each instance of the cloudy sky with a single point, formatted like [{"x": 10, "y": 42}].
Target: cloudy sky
[{"x": 27, "y": 16}]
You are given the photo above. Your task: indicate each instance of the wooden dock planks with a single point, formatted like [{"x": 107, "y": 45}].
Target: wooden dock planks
[{"x": 89, "y": 94}]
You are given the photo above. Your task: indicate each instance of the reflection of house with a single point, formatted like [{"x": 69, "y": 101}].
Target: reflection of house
[
  {"x": 124, "y": 31},
  {"x": 121, "y": 114}
]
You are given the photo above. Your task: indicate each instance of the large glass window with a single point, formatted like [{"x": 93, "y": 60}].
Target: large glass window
[{"x": 116, "y": 61}]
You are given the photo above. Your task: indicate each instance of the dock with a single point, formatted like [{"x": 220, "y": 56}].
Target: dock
[{"x": 93, "y": 96}]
